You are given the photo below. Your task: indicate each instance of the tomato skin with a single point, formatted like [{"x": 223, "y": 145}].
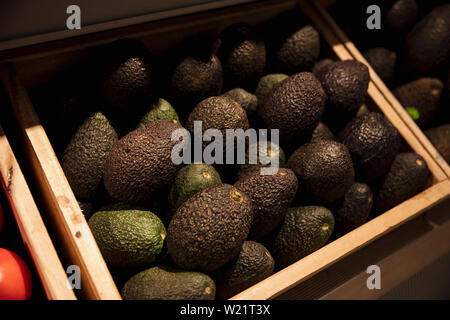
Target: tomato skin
[{"x": 15, "y": 277}]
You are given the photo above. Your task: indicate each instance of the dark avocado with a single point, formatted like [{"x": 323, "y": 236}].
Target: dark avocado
[
  {"x": 383, "y": 61},
  {"x": 440, "y": 138}
]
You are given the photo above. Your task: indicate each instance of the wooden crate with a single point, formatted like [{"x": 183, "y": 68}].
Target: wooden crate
[
  {"x": 321, "y": 6},
  {"x": 31, "y": 65},
  {"x": 31, "y": 227}
]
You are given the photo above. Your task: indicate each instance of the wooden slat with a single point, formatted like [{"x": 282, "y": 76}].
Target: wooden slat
[
  {"x": 397, "y": 267},
  {"x": 386, "y": 95},
  {"x": 75, "y": 234},
  {"x": 342, "y": 247},
  {"x": 31, "y": 226}
]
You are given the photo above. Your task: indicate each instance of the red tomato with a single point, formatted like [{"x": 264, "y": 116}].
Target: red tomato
[{"x": 15, "y": 277}]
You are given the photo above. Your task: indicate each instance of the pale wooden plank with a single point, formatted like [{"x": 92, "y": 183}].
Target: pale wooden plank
[
  {"x": 74, "y": 233},
  {"x": 31, "y": 226}
]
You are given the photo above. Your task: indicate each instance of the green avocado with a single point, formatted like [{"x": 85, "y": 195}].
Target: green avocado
[
  {"x": 162, "y": 110},
  {"x": 247, "y": 100},
  {"x": 266, "y": 84}
]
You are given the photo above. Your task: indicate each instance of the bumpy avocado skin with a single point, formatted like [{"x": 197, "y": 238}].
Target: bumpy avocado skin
[
  {"x": 84, "y": 158},
  {"x": 345, "y": 84},
  {"x": 440, "y": 138},
  {"x": 407, "y": 176},
  {"x": 266, "y": 84},
  {"x": 190, "y": 180},
  {"x": 294, "y": 106},
  {"x": 247, "y": 100},
  {"x": 373, "y": 143},
  {"x": 163, "y": 283},
  {"x": 209, "y": 229},
  {"x": 243, "y": 54},
  {"x": 383, "y": 61},
  {"x": 253, "y": 264},
  {"x": 219, "y": 112},
  {"x": 299, "y": 51},
  {"x": 162, "y": 110},
  {"x": 420, "y": 98},
  {"x": 141, "y": 162},
  {"x": 324, "y": 168},
  {"x": 427, "y": 45},
  {"x": 353, "y": 210},
  {"x": 127, "y": 236},
  {"x": 319, "y": 64},
  {"x": 271, "y": 196},
  {"x": 304, "y": 230}
]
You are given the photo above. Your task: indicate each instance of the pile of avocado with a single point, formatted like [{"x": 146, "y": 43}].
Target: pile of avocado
[
  {"x": 411, "y": 54},
  {"x": 201, "y": 231}
]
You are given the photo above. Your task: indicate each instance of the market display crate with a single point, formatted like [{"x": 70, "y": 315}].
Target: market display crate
[
  {"x": 35, "y": 237},
  {"x": 27, "y": 66}
]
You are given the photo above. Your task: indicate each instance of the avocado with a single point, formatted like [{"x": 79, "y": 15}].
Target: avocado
[
  {"x": 163, "y": 283},
  {"x": 420, "y": 98},
  {"x": 353, "y": 209},
  {"x": 407, "y": 176},
  {"x": 253, "y": 264},
  {"x": 273, "y": 151},
  {"x": 190, "y": 180},
  {"x": 209, "y": 229},
  {"x": 162, "y": 110},
  {"x": 218, "y": 112},
  {"x": 303, "y": 231},
  {"x": 299, "y": 51},
  {"x": 140, "y": 163},
  {"x": 324, "y": 169},
  {"x": 383, "y": 61},
  {"x": 84, "y": 158},
  {"x": 294, "y": 106},
  {"x": 427, "y": 45},
  {"x": 440, "y": 138},
  {"x": 402, "y": 15},
  {"x": 322, "y": 132},
  {"x": 271, "y": 196},
  {"x": 127, "y": 236},
  {"x": 243, "y": 54},
  {"x": 247, "y": 100},
  {"x": 127, "y": 81},
  {"x": 266, "y": 84},
  {"x": 345, "y": 84},
  {"x": 373, "y": 143},
  {"x": 197, "y": 76},
  {"x": 319, "y": 64}
]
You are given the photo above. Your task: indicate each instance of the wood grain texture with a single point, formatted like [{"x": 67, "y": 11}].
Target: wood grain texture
[
  {"x": 31, "y": 226},
  {"x": 74, "y": 233}
]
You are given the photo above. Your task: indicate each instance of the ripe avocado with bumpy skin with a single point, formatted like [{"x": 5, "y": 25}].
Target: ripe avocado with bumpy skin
[
  {"x": 440, "y": 138},
  {"x": 427, "y": 45},
  {"x": 273, "y": 151},
  {"x": 345, "y": 84},
  {"x": 373, "y": 143},
  {"x": 253, "y": 264},
  {"x": 127, "y": 236},
  {"x": 304, "y": 230},
  {"x": 84, "y": 158},
  {"x": 324, "y": 168},
  {"x": 294, "y": 106},
  {"x": 220, "y": 113},
  {"x": 407, "y": 176},
  {"x": 243, "y": 54},
  {"x": 247, "y": 100},
  {"x": 420, "y": 98},
  {"x": 320, "y": 64},
  {"x": 383, "y": 61},
  {"x": 402, "y": 15},
  {"x": 299, "y": 51},
  {"x": 190, "y": 180},
  {"x": 353, "y": 210},
  {"x": 271, "y": 196},
  {"x": 163, "y": 283},
  {"x": 140, "y": 163},
  {"x": 162, "y": 110},
  {"x": 209, "y": 229},
  {"x": 266, "y": 84}
]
